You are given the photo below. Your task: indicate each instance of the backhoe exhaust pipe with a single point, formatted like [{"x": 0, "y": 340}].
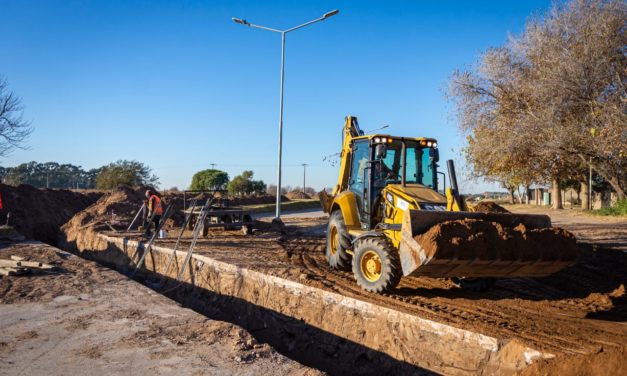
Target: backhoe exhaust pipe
[{"x": 451, "y": 174}]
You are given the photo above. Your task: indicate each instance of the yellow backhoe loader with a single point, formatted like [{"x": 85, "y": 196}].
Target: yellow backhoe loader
[{"x": 387, "y": 196}]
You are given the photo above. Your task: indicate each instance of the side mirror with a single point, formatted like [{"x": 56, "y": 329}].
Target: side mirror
[
  {"x": 434, "y": 154},
  {"x": 380, "y": 151}
]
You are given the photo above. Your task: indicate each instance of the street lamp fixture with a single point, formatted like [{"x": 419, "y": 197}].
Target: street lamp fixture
[
  {"x": 282, "y": 32},
  {"x": 330, "y": 14},
  {"x": 239, "y": 21}
]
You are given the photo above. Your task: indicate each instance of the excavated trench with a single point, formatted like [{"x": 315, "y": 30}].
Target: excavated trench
[
  {"x": 319, "y": 328},
  {"x": 282, "y": 291}
]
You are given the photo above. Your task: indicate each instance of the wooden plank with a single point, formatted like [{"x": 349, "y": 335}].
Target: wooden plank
[
  {"x": 23, "y": 264},
  {"x": 12, "y": 271}
]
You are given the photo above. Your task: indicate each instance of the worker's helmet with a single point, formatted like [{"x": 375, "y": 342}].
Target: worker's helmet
[{"x": 148, "y": 193}]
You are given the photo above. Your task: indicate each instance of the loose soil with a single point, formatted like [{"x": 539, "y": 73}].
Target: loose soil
[
  {"x": 298, "y": 196},
  {"x": 489, "y": 207},
  {"x": 87, "y": 317},
  {"x": 593, "y": 231},
  {"x": 39, "y": 213},
  {"x": 468, "y": 239},
  {"x": 602, "y": 363}
]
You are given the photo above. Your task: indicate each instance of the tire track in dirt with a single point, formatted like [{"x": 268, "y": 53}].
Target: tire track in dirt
[
  {"x": 534, "y": 311},
  {"x": 551, "y": 313}
]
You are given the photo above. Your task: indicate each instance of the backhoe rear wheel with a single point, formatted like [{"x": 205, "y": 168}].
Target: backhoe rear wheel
[
  {"x": 338, "y": 241},
  {"x": 376, "y": 266}
]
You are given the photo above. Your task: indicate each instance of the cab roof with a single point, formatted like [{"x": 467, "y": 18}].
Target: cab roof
[{"x": 371, "y": 136}]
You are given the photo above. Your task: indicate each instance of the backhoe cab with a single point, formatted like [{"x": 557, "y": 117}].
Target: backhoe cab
[{"x": 387, "y": 193}]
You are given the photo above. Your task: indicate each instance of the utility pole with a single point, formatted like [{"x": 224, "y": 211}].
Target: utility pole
[
  {"x": 213, "y": 166},
  {"x": 304, "y": 176}
]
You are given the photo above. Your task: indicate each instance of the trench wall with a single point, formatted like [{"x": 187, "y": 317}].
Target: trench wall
[{"x": 321, "y": 327}]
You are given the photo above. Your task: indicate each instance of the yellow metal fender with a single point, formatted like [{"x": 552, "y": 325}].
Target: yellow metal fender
[{"x": 347, "y": 203}]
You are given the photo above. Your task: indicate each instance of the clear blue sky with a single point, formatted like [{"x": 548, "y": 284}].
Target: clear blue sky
[{"x": 177, "y": 85}]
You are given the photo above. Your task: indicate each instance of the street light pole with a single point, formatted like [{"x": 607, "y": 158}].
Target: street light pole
[
  {"x": 304, "y": 175},
  {"x": 282, "y": 32}
]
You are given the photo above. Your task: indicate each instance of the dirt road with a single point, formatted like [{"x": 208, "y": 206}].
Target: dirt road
[{"x": 90, "y": 319}]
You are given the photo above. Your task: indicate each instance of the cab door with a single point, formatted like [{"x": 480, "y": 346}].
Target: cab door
[{"x": 360, "y": 177}]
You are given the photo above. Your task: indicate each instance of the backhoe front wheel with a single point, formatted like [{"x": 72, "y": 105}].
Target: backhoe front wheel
[
  {"x": 376, "y": 266},
  {"x": 338, "y": 241}
]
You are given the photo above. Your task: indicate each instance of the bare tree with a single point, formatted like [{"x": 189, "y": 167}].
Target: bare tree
[{"x": 13, "y": 129}]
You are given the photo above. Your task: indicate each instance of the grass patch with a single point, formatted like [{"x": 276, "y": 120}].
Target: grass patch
[
  {"x": 287, "y": 205},
  {"x": 618, "y": 210}
]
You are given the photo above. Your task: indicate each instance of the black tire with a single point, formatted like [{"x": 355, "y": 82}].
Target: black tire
[
  {"x": 376, "y": 251},
  {"x": 474, "y": 284},
  {"x": 226, "y": 219},
  {"x": 338, "y": 241},
  {"x": 247, "y": 229}
]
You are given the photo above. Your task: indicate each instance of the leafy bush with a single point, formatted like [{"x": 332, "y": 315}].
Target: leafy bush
[
  {"x": 125, "y": 172},
  {"x": 209, "y": 179},
  {"x": 619, "y": 209},
  {"x": 244, "y": 185}
]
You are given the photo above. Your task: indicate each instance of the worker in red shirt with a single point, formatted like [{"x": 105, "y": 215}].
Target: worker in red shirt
[{"x": 155, "y": 211}]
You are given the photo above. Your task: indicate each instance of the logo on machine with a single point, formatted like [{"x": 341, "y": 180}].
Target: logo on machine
[{"x": 433, "y": 207}]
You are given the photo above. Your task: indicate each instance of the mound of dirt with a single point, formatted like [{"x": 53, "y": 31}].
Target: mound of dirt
[
  {"x": 468, "y": 239},
  {"x": 489, "y": 207},
  {"x": 298, "y": 195},
  {"x": 39, "y": 213},
  {"x": 114, "y": 209},
  {"x": 605, "y": 362}
]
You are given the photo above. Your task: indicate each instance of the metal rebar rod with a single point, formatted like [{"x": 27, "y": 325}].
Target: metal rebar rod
[
  {"x": 190, "y": 251},
  {"x": 136, "y": 216},
  {"x": 188, "y": 217}
]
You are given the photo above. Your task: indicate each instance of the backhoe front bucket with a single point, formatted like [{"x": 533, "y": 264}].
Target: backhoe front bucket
[{"x": 465, "y": 244}]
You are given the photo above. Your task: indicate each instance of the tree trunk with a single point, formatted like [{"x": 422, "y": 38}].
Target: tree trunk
[
  {"x": 585, "y": 203},
  {"x": 511, "y": 197},
  {"x": 557, "y": 195},
  {"x": 611, "y": 179},
  {"x": 527, "y": 194}
]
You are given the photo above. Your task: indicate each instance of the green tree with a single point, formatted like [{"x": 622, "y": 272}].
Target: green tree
[
  {"x": 47, "y": 175},
  {"x": 125, "y": 172},
  {"x": 244, "y": 185},
  {"x": 209, "y": 179}
]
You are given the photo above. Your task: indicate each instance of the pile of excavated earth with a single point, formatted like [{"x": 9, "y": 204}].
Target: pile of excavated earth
[
  {"x": 577, "y": 315},
  {"x": 466, "y": 238},
  {"x": 39, "y": 213}
]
